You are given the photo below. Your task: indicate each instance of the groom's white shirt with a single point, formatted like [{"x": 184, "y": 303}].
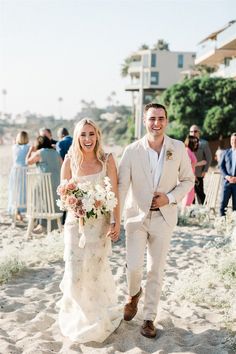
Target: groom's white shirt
[
  {"x": 173, "y": 174},
  {"x": 156, "y": 163}
]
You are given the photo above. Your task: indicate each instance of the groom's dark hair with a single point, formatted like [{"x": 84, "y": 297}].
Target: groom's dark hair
[{"x": 154, "y": 105}]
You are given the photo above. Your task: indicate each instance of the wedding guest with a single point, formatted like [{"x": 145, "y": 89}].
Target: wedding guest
[
  {"x": 218, "y": 155},
  {"x": 191, "y": 144},
  {"x": 157, "y": 171},
  {"x": 64, "y": 143},
  {"x": 47, "y": 160},
  {"x": 48, "y": 133},
  {"x": 228, "y": 170},
  {"x": 17, "y": 179},
  {"x": 88, "y": 308},
  {"x": 202, "y": 153},
  {"x": 62, "y": 147}
]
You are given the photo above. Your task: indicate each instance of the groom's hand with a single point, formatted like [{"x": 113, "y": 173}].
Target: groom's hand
[
  {"x": 159, "y": 200},
  {"x": 114, "y": 231}
]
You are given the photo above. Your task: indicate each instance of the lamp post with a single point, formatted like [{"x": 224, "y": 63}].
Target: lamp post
[
  {"x": 4, "y": 102},
  {"x": 60, "y": 100},
  {"x": 139, "y": 110}
]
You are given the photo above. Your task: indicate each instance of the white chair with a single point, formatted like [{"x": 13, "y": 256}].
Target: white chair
[
  {"x": 18, "y": 191},
  {"x": 212, "y": 194},
  {"x": 40, "y": 200}
]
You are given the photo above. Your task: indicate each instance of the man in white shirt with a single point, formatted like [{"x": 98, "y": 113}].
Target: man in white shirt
[{"x": 158, "y": 172}]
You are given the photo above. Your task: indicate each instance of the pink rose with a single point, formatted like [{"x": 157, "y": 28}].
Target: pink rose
[
  {"x": 61, "y": 190},
  {"x": 71, "y": 186},
  {"x": 71, "y": 200},
  {"x": 98, "y": 204}
]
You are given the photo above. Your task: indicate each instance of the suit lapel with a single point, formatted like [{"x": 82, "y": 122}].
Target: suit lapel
[
  {"x": 145, "y": 162},
  {"x": 231, "y": 162},
  {"x": 165, "y": 167}
]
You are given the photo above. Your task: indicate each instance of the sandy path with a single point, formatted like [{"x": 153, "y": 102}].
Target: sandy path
[{"x": 28, "y": 317}]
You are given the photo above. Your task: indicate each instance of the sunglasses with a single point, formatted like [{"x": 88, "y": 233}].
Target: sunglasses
[{"x": 193, "y": 131}]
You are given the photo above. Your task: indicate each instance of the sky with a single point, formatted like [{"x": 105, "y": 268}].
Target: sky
[{"x": 74, "y": 49}]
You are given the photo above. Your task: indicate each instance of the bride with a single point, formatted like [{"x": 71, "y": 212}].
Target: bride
[{"x": 88, "y": 308}]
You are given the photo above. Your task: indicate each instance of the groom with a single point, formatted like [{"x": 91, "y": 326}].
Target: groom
[{"x": 158, "y": 172}]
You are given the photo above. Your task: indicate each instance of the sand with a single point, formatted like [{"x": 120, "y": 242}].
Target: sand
[{"x": 28, "y": 312}]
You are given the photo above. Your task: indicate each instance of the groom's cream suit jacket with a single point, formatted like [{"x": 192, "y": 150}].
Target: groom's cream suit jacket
[{"x": 135, "y": 176}]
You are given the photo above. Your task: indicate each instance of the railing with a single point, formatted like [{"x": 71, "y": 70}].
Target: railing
[
  {"x": 226, "y": 71},
  {"x": 205, "y": 48},
  {"x": 226, "y": 36}
]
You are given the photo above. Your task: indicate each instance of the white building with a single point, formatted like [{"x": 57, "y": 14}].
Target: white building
[
  {"x": 151, "y": 71},
  {"x": 159, "y": 69},
  {"x": 218, "y": 50}
]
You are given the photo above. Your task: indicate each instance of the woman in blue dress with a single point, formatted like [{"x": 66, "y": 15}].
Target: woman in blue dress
[{"x": 17, "y": 180}]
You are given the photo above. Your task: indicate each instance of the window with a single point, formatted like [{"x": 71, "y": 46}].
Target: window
[
  {"x": 153, "y": 60},
  {"x": 227, "y": 61},
  {"x": 154, "y": 78},
  {"x": 180, "y": 61}
]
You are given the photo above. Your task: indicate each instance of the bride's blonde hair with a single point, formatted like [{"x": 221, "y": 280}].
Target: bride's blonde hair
[{"x": 76, "y": 152}]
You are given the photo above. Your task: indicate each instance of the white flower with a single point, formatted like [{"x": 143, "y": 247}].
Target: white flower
[
  {"x": 60, "y": 204},
  {"x": 85, "y": 187},
  {"x": 100, "y": 193},
  {"x": 111, "y": 201},
  {"x": 88, "y": 204},
  {"x": 107, "y": 183}
]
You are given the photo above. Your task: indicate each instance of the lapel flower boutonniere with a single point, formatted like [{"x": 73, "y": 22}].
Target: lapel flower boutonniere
[{"x": 169, "y": 154}]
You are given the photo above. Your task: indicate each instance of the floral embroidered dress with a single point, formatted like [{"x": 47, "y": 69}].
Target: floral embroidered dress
[
  {"x": 88, "y": 308},
  {"x": 189, "y": 198}
]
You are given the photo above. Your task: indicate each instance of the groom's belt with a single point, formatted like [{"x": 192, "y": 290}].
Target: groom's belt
[{"x": 156, "y": 209}]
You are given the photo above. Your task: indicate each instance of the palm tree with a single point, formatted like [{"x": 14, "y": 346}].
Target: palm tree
[
  {"x": 109, "y": 100},
  {"x": 60, "y": 100},
  {"x": 113, "y": 96},
  {"x": 4, "y": 101},
  {"x": 125, "y": 66}
]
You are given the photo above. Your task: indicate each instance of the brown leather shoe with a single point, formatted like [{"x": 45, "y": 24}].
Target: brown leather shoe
[
  {"x": 148, "y": 329},
  {"x": 131, "y": 307}
]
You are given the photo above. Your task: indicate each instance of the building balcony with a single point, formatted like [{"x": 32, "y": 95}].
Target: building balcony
[
  {"x": 227, "y": 38},
  {"x": 136, "y": 87},
  {"x": 213, "y": 50},
  {"x": 228, "y": 71},
  {"x": 135, "y": 67}
]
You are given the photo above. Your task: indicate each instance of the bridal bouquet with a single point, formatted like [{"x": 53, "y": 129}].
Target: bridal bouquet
[{"x": 87, "y": 200}]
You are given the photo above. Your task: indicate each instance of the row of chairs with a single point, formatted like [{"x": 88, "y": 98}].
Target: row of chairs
[
  {"x": 39, "y": 201},
  {"x": 213, "y": 189}
]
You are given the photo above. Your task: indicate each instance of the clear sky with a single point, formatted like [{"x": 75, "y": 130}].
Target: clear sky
[{"x": 74, "y": 48}]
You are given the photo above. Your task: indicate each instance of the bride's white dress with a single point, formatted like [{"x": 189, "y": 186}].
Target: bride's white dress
[{"x": 89, "y": 310}]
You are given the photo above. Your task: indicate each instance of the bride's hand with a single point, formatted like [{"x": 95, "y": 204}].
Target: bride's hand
[{"x": 114, "y": 232}]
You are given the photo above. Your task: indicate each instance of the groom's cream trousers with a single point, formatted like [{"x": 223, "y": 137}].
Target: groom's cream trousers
[{"x": 156, "y": 234}]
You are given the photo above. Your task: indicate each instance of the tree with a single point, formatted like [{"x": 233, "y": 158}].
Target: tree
[
  {"x": 161, "y": 45},
  {"x": 125, "y": 66},
  {"x": 143, "y": 47},
  {"x": 206, "y": 101}
]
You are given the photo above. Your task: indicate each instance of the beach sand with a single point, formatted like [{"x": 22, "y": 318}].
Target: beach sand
[{"x": 28, "y": 312}]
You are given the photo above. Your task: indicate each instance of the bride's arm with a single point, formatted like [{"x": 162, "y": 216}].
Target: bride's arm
[
  {"x": 65, "y": 169},
  {"x": 114, "y": 231}
]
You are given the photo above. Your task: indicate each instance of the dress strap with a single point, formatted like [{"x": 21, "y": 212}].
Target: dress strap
[
  {"x": 106, "y": 158},
  {"x": 73, "y": 165}
]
